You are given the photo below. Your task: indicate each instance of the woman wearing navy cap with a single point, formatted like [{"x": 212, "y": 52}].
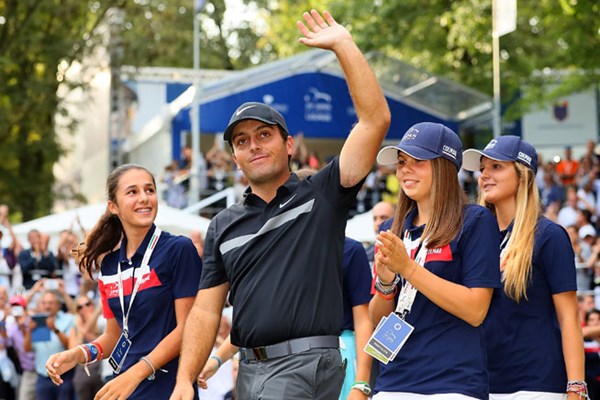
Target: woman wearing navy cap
[
  {"x": 148, "y": 282},
  {"x": 445, "y": 253},
  {"x": 533, "y": 333}
]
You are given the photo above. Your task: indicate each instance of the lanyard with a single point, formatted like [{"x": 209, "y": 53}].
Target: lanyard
[
  {"x": 138, "y": 282},
  {"x": 409, "y": 292},
  {"x": 504, "y": 243}
]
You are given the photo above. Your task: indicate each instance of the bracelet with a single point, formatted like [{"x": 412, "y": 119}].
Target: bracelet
[
  {"x": 88, "y": 355},
  {"x": 150, "y": 364},
  {"x": 362, "y": 386},
  {"x": 390, "y": 296},
  {"x": 93, "y": 351},
  {"x": 85, "y": 353},
  {"x": 386, "y": 284},
  {"x": 85, "y": 356},
  {"x": 388, "y": 288},
  {"x": 100, "y": 350},
  {"x": 219, "y": 361},
  {"x": 579, "y": 388}
]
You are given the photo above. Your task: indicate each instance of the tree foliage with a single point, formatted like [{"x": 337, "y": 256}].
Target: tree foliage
[
  {"x": 454, "y": 39},
  {"x": 38, "y": 36},
  {"x": 34, "y": 39},
  {"x": 160, "y": 33},
  {"x": 445, "y": 37}
]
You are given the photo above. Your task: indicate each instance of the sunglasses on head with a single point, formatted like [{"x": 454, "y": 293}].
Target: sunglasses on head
[{"x": 80, "y": 306}]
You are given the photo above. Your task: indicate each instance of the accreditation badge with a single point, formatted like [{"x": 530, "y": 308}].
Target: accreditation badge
[
  {"x": 388, "y": 338},
  {"x": 118, "y": 355}
]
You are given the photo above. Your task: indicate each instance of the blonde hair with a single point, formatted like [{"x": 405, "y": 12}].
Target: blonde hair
[
  {"x": 516, "y": 262},
  {"x": 447, "y": 201}
]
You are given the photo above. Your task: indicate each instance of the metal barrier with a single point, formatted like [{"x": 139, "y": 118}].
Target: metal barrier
[{"x": 228, "y": 193}]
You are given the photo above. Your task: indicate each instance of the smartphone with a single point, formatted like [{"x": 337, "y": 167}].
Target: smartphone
[
  {"x": 51, "y": 284},
  {"x": 17, "y": 311}
]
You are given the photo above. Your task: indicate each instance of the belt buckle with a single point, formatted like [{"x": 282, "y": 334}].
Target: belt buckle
[{"x": 260, "y": 353}]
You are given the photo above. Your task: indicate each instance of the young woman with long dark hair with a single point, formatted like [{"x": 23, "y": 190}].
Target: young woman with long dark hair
[
  {"x": 148, "y": 281},
  {"x": 437, "y": 266}
]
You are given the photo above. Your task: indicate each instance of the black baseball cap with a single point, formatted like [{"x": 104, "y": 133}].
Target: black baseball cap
[{"x": 258, "y": 111}]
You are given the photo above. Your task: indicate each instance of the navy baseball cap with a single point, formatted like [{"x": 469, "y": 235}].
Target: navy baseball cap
[
  {"x": 425, "y": 141},
  {"x": 257, "y": 111},
  {"x": 502, "y": 148}
]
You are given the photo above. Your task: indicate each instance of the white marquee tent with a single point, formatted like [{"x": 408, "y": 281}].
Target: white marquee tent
[
  {"x": 168, "y": 219},
  {"x": 360, "y": 228}
]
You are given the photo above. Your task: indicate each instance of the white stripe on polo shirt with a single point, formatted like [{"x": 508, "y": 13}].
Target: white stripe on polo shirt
[
  {"x": 271, "y": 224},
  {"x": 126, "y": 274}
]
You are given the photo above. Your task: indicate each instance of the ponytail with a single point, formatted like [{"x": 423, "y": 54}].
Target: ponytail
[{"x": 103, "y": 238}]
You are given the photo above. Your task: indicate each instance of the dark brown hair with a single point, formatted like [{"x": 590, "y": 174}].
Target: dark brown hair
[
  {"x": 447, "y": 203},
  {"x": 108, "y": 231}
]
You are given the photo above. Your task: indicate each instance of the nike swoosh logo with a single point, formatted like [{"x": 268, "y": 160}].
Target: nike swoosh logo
[
  {"x": 288, "y": 200},
  {"x": 238, "y": 112}
]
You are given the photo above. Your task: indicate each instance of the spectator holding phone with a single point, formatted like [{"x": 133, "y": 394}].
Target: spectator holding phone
[
  {"x": 44, "y": 284},
  {"x": 58, "y": 323},
  {"x": 8, "y": 376},
  {"x": 17, "y": 331},
  {"x": 66, "y": 262},
  {"x": 147, "y": 283},
  {"x": 37, "y": 261}
]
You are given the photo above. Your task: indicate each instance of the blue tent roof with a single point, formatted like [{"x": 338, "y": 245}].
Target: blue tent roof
[{"x": 311, "y": 93}]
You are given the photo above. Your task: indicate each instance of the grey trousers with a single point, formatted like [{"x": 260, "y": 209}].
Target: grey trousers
[
  {"x": 27, "y": 386},
  {"x": 315, "y": 374}
]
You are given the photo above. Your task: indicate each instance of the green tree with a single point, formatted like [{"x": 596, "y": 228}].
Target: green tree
[
  {"x": 454, "y": 39},
  {"x": 34, "y": 40},
  {"x": 445, "y": 37},
  {"x": 160, "y": 33},
  {"x": 38, "y": 36}
]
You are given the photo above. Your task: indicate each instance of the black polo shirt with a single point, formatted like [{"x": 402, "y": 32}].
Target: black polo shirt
[{"x": 282, "y": 259}]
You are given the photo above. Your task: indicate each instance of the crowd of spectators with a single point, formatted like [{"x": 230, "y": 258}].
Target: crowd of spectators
[
  {"x": 567, "y": 186},
  {"x": 219, "y": 171},
  {"x": 570, "y": 195},
  {"x": 47, "y": 305}
]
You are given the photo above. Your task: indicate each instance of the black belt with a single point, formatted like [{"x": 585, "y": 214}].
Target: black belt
[{"x": 289, "y": 347}]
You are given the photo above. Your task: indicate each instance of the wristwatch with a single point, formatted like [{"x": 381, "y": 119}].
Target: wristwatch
[
  {"x": 93, "y": 351},
  {"x": 363, "y": 387}
]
